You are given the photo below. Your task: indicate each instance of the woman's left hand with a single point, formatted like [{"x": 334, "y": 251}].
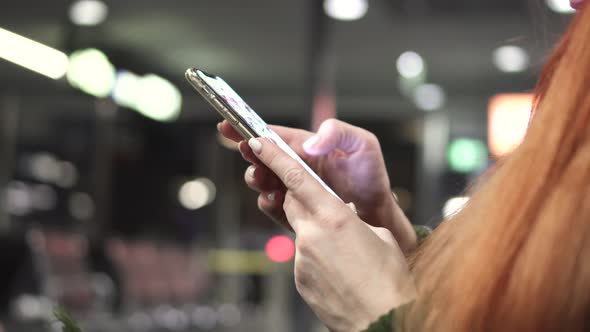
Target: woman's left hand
[{"x": 349, "y": 273}]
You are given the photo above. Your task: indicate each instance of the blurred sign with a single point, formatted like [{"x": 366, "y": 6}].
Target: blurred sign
[{"x": 508, "y": 119}]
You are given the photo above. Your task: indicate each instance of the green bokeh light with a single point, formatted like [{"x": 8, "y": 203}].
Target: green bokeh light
[
  {"x": 158, "y": 99},
  {"x": 126, "y": 89},
  {"x": 91, "y": 71},
  {"x": 467, "y": 155},
  {"x": 150, "y": 95}
]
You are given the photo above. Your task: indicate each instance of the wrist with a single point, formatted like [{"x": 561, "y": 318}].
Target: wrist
[
  {"x": 395, "y": 295},
  {"x": 391, "y": 216}
]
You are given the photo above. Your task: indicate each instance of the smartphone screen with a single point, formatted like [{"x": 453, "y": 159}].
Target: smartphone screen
[{"x": 254, "y": 121}]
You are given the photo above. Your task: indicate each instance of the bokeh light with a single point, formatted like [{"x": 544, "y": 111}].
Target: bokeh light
[
  {"x": 454, "y": 205},
  {"x": 346, "y": 10},
  {"x": 508, "y": 120},
  {"x": 511, "y": 59},
  {"x": 561, "y": 6},
  {"x": 158, "y": 99},
  {"x": 32, "y": 55},
  {"x": 280, "y": 249},
  {"x": 91, "y": 71},
  {"x": 195, "y": 194},
  {"x": 127, "y": 89},
  {"x": 88, "y": 12},
  {"x": 429, "y": 97},
  {"x": 81, "y": 206},
  {"x": 467, "y": 155},
  {"x": 410, "y": 65}
]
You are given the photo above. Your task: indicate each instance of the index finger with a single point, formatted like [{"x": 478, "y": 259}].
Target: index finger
[
  {"x": 229, "y": 132},
  {"x": 295, "y": 176}
]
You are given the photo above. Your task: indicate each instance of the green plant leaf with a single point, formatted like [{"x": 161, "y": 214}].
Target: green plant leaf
[{"x": 69, "y": 324}]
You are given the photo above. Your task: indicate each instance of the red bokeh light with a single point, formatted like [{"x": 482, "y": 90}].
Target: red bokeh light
[{"x": 280, "y": 249}]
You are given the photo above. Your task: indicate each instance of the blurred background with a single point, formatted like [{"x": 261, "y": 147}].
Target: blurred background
[{"x": 119, "y": 201}]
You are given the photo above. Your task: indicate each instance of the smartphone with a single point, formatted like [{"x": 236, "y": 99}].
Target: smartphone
[{"x": 241, "y": 116}]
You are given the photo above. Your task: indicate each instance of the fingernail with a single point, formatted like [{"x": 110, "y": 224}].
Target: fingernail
[
  {"x": 311, "y": 142},
  {"x": 251, "y": 171},
  {"x": 271, "y": 196},
  {"x": 219, "y": 126},
  {"x": 255, "y": 145}
]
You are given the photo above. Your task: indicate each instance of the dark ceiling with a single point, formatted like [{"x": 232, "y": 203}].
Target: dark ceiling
[{"x": 259, "y": 46}]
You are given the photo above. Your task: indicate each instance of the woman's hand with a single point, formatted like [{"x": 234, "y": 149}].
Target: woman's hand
[
  {"x": 350, "y": 273},
  {"x": 349, "y": 159}
]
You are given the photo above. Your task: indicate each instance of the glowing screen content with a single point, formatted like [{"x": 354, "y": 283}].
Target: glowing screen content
[{"x": 254, "y": 121}]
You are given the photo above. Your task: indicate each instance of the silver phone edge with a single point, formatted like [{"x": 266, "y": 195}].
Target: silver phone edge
[{"x": 218, "y": 104}]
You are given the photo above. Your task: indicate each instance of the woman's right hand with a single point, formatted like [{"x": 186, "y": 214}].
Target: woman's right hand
[{"x": 348, "y": 159}]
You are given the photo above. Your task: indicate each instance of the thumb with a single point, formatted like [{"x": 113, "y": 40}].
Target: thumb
[{"x": 335, "y": 134}]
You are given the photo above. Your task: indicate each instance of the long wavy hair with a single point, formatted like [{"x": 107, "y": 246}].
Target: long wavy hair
[{"x": 517, "y": 257}]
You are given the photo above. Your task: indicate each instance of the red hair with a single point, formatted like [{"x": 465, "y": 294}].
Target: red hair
[{"x": 516, "y": 257}]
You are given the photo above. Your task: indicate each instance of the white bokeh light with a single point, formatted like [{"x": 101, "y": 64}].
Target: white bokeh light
[
  {"x": 171, "y": 318},
  {"x": 410, "y": 65},
  {"x": 32, "y": 55},
  {"x": 429, "y": 97},
  {"x": 18, "y": 200},
  {"x": 346, "y": 10},
  {"x": 561, "y": 6},
  {"x": 511, "y": 59},
  {"x": 204, "y": 317},
  {"x": 91, "y": 71},
  {"x": 44, "y": 167},
  {"x": 88, "y": 12},
  {"x": 81, "y": 206},
  {"x": 158, "y": 99},
  {"x": 195, "y": 194},
  {"x": 32, "y": 307},
  {"x": 68, "y": 174},
  {"x": 454, "y": 205}
]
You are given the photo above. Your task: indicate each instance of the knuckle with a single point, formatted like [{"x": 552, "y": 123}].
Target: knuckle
[
  {"x": 372, "y": 139},
  {"x": 333, "y": 127},
  {"x": 305, "y": 245},
  {"x": 287, "y": 201},
  {"x": 332, "y": 123},
  {"x": 338, "y": 224},
  {"x": 331, "y": 222},
  {"x": 335, "y": 225},
  {"x": 294, "y": 178},
  {"x": 271, "y": 158}
]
